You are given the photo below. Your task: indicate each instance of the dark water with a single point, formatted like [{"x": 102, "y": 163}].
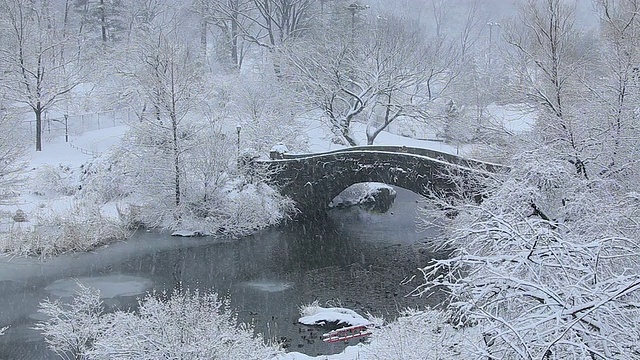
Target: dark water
[{"x": 353, "y": 259}]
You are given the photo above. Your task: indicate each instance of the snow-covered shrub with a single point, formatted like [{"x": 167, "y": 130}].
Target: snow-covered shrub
[
  {"x": 241, "y": 210},
  {"x": 71, "y": 329},
  {"x": 422, "y": 335},
  {"x": 181, "y": 324},
  {"x": 104, "y": 178},
  {"x": 170, "y": 326},
  {"x": 61, "y": 179},
  {"x": 547, "y": 264},
  {"x": 256, "y": 206},
  {"x": 81, "y": 228},
  {"x": 12, "y": 150}
]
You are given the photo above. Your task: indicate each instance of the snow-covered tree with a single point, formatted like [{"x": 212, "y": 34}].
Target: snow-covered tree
[
  {"x": 102, "y": 18},
  {"x": 268, "y": 113},
  {"x": 229, "y": 17},
  {"x": 167, "y": 82},
  {"x": 411, "y": 73},
  {"x": 617, "y": 87},
  {"x": 550, "y": 60},
  {"x": 387, "y": 74},
  {"x": 40, "y": 68},
  {"x": 326, "y": 72}
]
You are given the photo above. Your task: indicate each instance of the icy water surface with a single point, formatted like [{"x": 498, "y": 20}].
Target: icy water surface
[{"x": 353, "y": 259}]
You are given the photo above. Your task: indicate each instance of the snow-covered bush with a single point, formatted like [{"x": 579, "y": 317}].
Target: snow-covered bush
[
  {"x": 81, "y": 228},
  {"x": 12, "y": 150},
  {"x": 239, "y": 210},
  {"x": 71, "y": 329},
  {"x": 102, "y": 178},
  {"x": 547, "y": 264},
  {"x": 170, "y": 326},
  {"x": 213, "y": 197},
  {"x": 61, "y": 179},
  {"x": 422, "y": 335}
]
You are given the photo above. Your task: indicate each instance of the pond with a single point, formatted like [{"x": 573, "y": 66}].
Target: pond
[{"x": 353, "y": 258}]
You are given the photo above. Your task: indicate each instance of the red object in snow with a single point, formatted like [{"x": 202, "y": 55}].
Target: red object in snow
[{"x": 346, "y": 333}]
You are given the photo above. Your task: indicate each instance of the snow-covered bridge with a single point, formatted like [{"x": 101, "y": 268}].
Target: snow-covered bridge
[{"x": 313, "y": 180}]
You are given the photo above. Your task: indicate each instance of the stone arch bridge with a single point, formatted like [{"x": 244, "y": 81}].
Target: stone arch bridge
[{"x": 313, "y": 180}]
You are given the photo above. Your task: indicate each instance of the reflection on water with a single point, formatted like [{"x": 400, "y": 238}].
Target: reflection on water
[{"x": 353, "y": 259}]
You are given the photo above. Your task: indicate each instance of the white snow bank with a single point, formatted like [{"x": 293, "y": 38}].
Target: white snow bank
[
  {"x": 280, "y": 148},
  {"x": 317, "y": 315},
  {"x": 514, "y": 118},
  {"x": 320, "y": 139},
  {"x": 186, "y": 233},
  {"x": 361, "y": 193}
]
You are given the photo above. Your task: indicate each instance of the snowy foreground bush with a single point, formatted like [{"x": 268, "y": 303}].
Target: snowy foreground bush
[
  {"x": 190, "y": 325},
  {"x": 415, "y": 335},
  {"x": 547, "y": 265},
  {"x": 180, "y": 325},
  {"x": 423, "y": 335}
]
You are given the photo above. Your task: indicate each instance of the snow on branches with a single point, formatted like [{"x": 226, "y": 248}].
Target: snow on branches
[
  {"x": 547, "y": 264},
  {"x": 177, "y": 325}
]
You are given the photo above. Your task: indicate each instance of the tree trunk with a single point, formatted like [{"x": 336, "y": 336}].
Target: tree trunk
[
  {"x": 38, "y": 112},
  {"x": 203, "y": 38},
  {"x": 234, "y": 40},
  {"x": 103, "y": 21},
  {"x": 176, "y": 157}
]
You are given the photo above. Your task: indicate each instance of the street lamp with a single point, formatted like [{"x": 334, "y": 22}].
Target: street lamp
[
  {"x": 238, "y": 129},
  {"x": 491, "y": 25},
  {"x": 353, "y": 8},
  {"x": 66, "y": 126}
]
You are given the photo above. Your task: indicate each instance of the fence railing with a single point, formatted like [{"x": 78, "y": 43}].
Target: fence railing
[{"x": 78, "y": 124}]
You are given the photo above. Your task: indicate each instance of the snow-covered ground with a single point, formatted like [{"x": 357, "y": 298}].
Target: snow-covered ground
[
  {"x": 320, "y": 139},
  {"x": 513, "y": 118},
  {"x": 58, "y": 157}
]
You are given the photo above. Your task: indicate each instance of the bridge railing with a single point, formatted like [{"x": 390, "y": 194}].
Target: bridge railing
[{"x": 433, "y": 154}]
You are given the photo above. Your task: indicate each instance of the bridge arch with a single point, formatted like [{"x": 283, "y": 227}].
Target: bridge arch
[{"x": 313, "y": 180}]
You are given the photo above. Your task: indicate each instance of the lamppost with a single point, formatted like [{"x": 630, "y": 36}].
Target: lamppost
[
  {"x": 491, "y": 25},
  {"x": 238, "y": 129},
  {"x": 66, "y": 126},
  {"x": 353, "y": 8}
]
